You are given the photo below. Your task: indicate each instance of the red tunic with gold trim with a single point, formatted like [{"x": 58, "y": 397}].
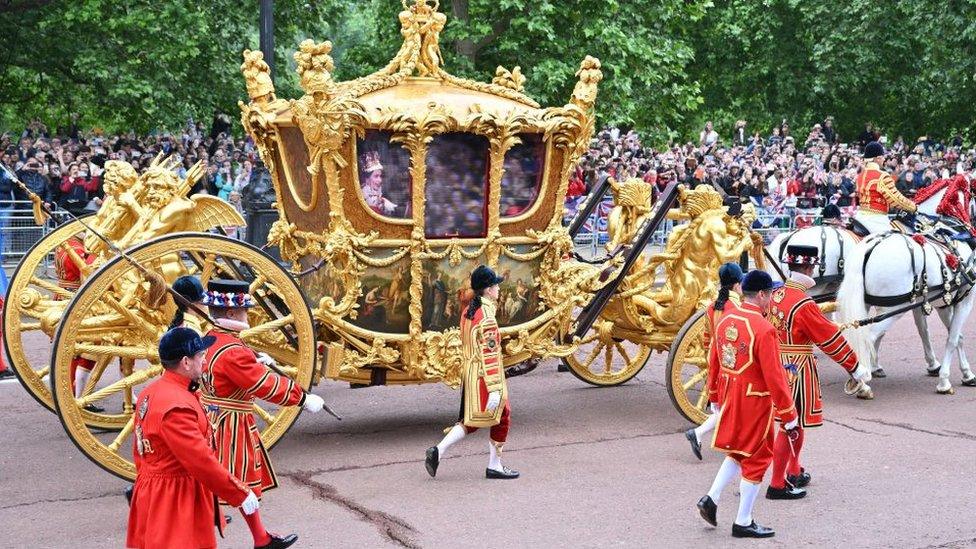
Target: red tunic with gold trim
[
  {"x": 751, "y": 388},
  {"x": 799, "y": 326},
  {"x": 177, "y": 474},
  {"x": 713, "y": 317},
  {"x": 483, "y": 372},
  {"x": 67, "y": 271},
  {"x": 232, "y": 380},
  {"x": 876, "y": 191}
]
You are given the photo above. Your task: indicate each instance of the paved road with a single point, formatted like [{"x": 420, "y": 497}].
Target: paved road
[{"x": 602, "y": 468}]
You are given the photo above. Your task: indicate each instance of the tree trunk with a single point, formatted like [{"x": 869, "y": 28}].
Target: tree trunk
[{"x": 465, "y": 47}]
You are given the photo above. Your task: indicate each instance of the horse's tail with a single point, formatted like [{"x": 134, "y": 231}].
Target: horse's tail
[{"x": 851, "y": 306}]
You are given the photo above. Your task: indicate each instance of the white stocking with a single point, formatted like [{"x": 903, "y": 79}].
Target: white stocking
[
  {"x": 455, "y": 434},
  {"x": 81, "y": 379},
  {"x": 729, "y": 470},
  {"x": 494, "y": 458},
  {"x": 747, "y": 498},
  {"x": 706, "y": 427}
]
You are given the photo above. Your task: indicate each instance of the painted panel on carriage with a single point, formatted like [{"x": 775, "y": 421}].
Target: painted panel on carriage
[
  {"x": 384, "y": 298},
  {"x": 518, "y": 296}
]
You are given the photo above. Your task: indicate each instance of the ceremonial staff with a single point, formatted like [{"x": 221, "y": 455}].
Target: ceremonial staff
[{"x": 157, "y": 286}]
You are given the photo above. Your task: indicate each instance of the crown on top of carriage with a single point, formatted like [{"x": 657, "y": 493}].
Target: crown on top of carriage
[{"x": 411, "y": 151}]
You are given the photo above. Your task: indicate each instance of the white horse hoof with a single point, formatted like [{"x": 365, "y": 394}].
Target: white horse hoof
[
  {"x": 879, "y": 372},
  {"x": 865, "y": 394},
  {"x": 945, "y": 388},
  {"x": 970, "y": 382}
]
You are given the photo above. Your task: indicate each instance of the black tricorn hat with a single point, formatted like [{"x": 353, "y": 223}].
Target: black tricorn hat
[
  {"x": 483, "y": 277},
  {"x": 802, "y": 255},
  {"x": 873, "y": 150}
]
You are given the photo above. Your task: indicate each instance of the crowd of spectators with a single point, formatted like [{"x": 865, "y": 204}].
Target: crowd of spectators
[
  {"x": 783, "y": 175},
  {"x": 64, "y": 167}
]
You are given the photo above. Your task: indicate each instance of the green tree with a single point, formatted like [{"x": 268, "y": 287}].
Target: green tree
[
  {"x": 907, "y": 66},
  {"x": 138, "y": 64},
  {"x": 643, "y": 45}
]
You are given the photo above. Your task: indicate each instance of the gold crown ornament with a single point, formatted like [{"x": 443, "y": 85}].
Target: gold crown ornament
[{"x": 371, "y": 162}]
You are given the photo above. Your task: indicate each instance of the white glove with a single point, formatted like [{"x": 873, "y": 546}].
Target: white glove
[
  {"x": 313, "y": 403},
  {"x": 716, "y": 409},
  {"x": 250, "y": 504},
  {"x": 791, "y": 425},
  {"x": 494, "y": 399},
  {"x": 265, "y": 358}
]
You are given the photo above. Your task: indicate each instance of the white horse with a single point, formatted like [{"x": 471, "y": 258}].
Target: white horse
[
  {"x": 897, "y": 267},
  {"x": 835, "y": 245}
]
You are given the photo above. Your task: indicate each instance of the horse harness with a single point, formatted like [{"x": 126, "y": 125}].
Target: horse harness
[
  {"x": 821, "y": 278},
  {"x": 962, "y": 276}
]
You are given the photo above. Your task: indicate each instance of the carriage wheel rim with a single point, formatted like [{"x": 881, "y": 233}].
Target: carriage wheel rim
[{"x": 95, "y": 445}]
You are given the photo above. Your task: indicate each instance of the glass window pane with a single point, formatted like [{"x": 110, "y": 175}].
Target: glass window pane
[
  {"x": 456, "y": 191},
  {"x": 384, "y": 175},
  {"x": 524, "y": 164}
]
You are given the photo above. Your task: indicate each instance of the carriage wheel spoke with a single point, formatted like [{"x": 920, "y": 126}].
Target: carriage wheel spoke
[
  {"x": 589, "y": 338},
  {"x": 127, "y": 382},
  {"x": 29, "y": 326},
  {"x": 607, "y": 360},
  {"x": 593, "y": 354},
  {"x": 123, "y": 434},
  {"x": 51, "y": 287},
  {"x": 96, "y": 374},
  {"x": 206, "y": 267},
  {"x": 695, "y": 380},
  {"x": 43, "y": 372},
  {"x": 623, "y": 352},
  {"x": 702, "y": 400}
]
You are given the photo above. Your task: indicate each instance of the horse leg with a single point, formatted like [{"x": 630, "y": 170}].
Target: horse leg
[
  {"x": 877, "y": 370},
  {"x": 956, "y": 318},
  {"x": 959, "y": 317},
  {"x": 921, "y": 323}
]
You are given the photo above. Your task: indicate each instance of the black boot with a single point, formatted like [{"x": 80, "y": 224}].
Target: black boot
[
  {"x": 128, "y": 494},
  {"x": 695, "y": 444},
  {"x": 799, "y": 481},
  {"x": 788, "y": 492},
  {"x": 278, "y": 542},
  {"x": 432, "y": 460},
  {"x": 708, "y": 510},
  {"x": 751, "y": 531}
]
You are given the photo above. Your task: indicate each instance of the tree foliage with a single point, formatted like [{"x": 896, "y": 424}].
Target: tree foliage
[
  {"x": 669, "y": 65},
  {"x": 138, "y": 64},
  {"x": 906, "y": 66}
]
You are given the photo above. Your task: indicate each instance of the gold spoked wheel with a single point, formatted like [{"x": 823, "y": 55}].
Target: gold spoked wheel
[
  {"x": 110, "y": 321},
  {"x": 32, "y": 311},
  {"x": 605, "y": 359},
  {"x": 687, "y": 369}
]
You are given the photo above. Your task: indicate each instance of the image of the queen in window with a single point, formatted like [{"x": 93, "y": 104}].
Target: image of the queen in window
[{"x": 372, "y": 182}]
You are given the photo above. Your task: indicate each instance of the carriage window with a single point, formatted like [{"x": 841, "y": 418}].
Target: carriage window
[
  {"x": 457, "y": 175},
  {"x": 523, "y": 175},
  {"x": 384, "y": 175}
]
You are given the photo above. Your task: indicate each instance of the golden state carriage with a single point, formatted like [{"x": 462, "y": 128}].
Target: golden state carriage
[{"x": 390, "y": 189}]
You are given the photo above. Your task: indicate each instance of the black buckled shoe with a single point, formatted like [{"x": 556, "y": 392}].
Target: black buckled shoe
[
  {"x": 751, "y": 531},
  {"x": 278, "y": 542},
  {"x": 708, "y": 510},
  {"x": 94, "y": 409},
  {"x": 7, "y": 374},
  {"x": 799, "y": 481},
  {"x": 432, "y": 460},
  {"x": 505, "y": 473},
  {"x": 788, "y": 492},
  {"x": 695, "y": 444},
  {"x": 128, "y": 494}
]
